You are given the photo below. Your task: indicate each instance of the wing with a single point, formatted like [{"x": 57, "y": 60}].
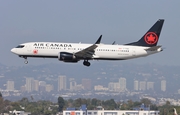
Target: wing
[{"x": 89, "y": 51}]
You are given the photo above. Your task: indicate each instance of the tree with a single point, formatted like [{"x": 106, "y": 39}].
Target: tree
[
  {"x": 78, "y": 102},
  {"x": 146, "y": 101},
  {"x": 24, "y": 101},
  {"x": 110, "y": 104},
  {"x": 130, "y": 104},
  {"x": 94, "y": 102},
  {"x": 153, "y": 107},
  {"x": 168, "y": 103},
  {"x": 61, "y": 103},
  {"x": 15, "y": 106}
]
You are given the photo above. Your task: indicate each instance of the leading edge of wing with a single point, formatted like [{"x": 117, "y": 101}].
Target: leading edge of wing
[{"x": 89, "y": 51}]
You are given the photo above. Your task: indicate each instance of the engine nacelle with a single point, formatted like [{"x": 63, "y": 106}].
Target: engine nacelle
[{"x": 67, "y": 57}]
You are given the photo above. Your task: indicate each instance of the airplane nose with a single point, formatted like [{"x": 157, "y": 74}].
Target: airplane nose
[{"x": 13, "y": 50}]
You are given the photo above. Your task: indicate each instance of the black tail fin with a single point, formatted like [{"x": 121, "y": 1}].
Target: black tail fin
[{"x": 151, "y": 37}]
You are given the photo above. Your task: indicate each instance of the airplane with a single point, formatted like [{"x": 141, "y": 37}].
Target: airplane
[{"x": 74, "y": 52}]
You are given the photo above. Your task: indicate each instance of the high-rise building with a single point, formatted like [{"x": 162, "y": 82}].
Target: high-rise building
[
  {"x": 10, "y": 85},
  {"x": 117, "y": 87},
  {"x": 42, "y": 86},
  {"x": 86, "y": 83},
  {"x": 142, "y": 85},
  {"x": 29, "y": 84},
  {"x": 61, "y": 83},
  {"x": 136, "y": 85},
  {"x": 163, "y": 85},
  {"x": 122, "y": 83},
  {"x": 111, "y": 86},
  {"x": 36, "y": 85},
  {"x": 114, "y": 86},
  {"x": 150, "y": 85},
  {"x": 72, "y": 83}
]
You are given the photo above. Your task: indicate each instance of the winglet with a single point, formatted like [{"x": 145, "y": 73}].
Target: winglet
[
  {"x": 99, "y": 40},
  {"x": 113, "y": 42}
]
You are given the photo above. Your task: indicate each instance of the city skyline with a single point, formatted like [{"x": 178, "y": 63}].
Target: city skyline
[
  {"x": 120, "y": 86},
  {"x": 43, "y": 81}
]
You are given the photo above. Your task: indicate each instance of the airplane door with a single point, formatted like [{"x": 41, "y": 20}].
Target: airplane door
[{"x": 29, "y": 48}]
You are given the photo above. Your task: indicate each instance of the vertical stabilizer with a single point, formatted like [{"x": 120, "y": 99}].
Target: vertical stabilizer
[{"x": 151, "y": 37}]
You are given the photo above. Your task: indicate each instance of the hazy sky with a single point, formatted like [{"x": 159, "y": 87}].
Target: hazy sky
[{"x": 123, "y": 21}]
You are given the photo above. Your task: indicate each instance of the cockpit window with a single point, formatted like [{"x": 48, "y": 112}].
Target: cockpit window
[{"x": 20, "y": 46}]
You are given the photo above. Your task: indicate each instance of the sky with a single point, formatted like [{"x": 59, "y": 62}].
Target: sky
[{"x": 123, "y": 21}]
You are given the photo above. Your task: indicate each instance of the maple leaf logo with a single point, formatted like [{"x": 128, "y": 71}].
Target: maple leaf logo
[
  {"x": 35, "y": 51},
  {"x": 151, "y": 38}
]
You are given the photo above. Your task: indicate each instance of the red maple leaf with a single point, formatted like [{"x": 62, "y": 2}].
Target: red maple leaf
[
  {"x": 35, "y": 51},
  {"x": 151, "y": 38}
]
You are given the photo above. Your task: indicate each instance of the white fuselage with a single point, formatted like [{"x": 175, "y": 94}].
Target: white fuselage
[
  {"x": 102, "y": 52},
  {"x": 74, "y": 52}
]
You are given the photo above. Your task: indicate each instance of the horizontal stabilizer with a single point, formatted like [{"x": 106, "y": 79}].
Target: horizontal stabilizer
[{"x": 153, "y": 48}]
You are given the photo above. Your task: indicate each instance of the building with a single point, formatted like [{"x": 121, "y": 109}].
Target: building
[
  {"x": 61, "y": 83},
  {"x": 86, "y": 83},
  {"x": 78, "y": 87},
  {"x": 10, "y": 85},
  {"x": 29, "y": 84},
  {"x": 117, "y": 87},
  {"x": 72, "y": 84},
  {"x": 100, "y": 88},
  {"x": 42, "y": 86},
  {"x": 136, "y": 85},
  {"x": 114, "y": 86},
  {"x": 150, "y": 85},
  {"x": 19, "y": 113},
  {"x": 110, "y": 112},
  {"x": 36, "y": 85},
  {"x": 49, "y": 88},
  {"x": 163, "y": 85},
  {"x": 178, "y": 91},
  {"x": 111, "y": 86},
  {"x": 142, "y": 85},
  {"x": 122, "y": 83}
]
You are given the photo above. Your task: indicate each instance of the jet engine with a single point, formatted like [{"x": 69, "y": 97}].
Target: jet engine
[{"x": 67, "y": 57}]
